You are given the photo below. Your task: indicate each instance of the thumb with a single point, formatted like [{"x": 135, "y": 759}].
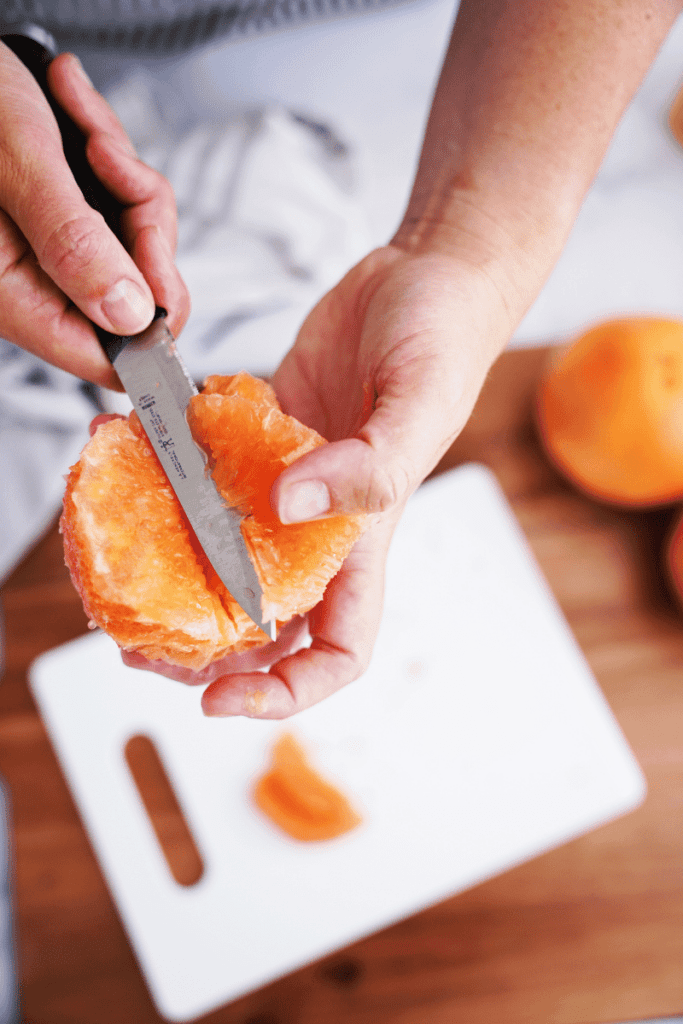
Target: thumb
[
  {"x": 375, "y": 471},
  {"x": 343, "y": 477}
]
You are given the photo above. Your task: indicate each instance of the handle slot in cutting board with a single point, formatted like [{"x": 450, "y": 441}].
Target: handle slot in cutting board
[{"x": 164, "y": 810}]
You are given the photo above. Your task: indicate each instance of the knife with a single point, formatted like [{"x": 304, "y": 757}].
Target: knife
[{"x": 153, "y": 374}]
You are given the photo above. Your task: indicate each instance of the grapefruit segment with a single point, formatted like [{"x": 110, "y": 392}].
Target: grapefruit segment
[
  {"x": 298, "y": 800},
  {"x": 135, "y": 560}
]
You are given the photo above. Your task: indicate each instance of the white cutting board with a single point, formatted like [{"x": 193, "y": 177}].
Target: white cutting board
[{"x": 477, "y": 739}]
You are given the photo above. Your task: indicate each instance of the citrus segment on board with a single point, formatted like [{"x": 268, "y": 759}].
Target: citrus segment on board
[
  {"x": 135, "y": 560},
  {"x": 298, "y": 800},
  {"x": 610, "y": 411}
]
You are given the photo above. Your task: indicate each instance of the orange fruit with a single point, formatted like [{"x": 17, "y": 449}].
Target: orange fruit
[
  {"x": 295, "y": 797},
  {"x": 610, "y": 411},
  {"x": 135, "y": 560}
]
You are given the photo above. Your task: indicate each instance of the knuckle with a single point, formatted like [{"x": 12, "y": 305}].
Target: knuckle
[
  {"x": 387, "y": 486},
  {"x": 156, "y": 185},
  {"x": 74, "y": 246},
  {"x": 165, "y": 189}
]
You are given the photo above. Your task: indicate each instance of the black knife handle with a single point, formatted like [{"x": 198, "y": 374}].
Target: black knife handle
[{"x": 37, "y": 59}]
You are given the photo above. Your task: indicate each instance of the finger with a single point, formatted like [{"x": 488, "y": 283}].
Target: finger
[
  {"x": 152, "y": 254},
  {"x": 35, "y": 314},
  {"x": 149, "y": 223},
  {"x": 147, "y": 197},
  {"x": 70, "y": 240},
  {"x": 73, "y": 90},
  {"x": 290, "y": 638},
  {"x": 110, "y": 151},
  {"x": 343, "y": 631}
]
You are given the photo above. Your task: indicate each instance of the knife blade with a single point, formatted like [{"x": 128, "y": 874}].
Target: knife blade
[
  {"x": 160, "y": 388},
  {"x": 154, "y": 375}
]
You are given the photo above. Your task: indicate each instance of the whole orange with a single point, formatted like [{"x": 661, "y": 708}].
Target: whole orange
[{"x": 610, "y": 411}]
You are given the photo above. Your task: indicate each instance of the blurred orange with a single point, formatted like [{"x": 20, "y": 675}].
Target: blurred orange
[{"x": 610, "y": 411}]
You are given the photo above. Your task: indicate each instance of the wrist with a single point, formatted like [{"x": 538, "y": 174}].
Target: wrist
[
  {"x": 513, "y": 252},
  {"x": 524, "y": 110}
]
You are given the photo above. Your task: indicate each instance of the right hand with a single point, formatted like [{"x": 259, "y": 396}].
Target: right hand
[{"x": 60, "y": 265}]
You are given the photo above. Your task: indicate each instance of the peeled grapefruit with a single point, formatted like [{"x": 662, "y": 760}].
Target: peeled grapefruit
[
  {"x": 610, "y": 411},
  {"x": 135, "y": 560}
]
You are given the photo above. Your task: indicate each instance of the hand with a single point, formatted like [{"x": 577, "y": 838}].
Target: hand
[
  {"x": 387, "y": 367},
  {"x": 59, "y": 263}
]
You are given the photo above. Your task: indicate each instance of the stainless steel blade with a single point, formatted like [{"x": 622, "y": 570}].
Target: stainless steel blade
[{"x": 160, "y": 389}]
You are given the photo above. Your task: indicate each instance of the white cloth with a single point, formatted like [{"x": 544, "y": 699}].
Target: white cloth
[{"x": 44, "y": 417}]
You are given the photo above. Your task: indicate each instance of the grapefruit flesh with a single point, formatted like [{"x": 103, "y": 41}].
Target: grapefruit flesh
[
  {"x": 135, "y": 561},
  {"x": 298, "y": 800},
  {"x": 250, "y": 441}
]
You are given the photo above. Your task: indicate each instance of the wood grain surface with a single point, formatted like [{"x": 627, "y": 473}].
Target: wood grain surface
[{"x": 592, "y": 931}]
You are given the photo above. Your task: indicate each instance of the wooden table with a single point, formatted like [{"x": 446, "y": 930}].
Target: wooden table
[{"x": 590, "y": 932}]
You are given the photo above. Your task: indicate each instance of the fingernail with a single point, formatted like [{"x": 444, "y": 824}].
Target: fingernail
[
  {"x": 128, "y": 310},
  {"x": 304, "y": 501}
]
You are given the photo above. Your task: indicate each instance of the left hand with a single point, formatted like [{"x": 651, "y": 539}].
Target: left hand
[{"x": 387, "y": 367}]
